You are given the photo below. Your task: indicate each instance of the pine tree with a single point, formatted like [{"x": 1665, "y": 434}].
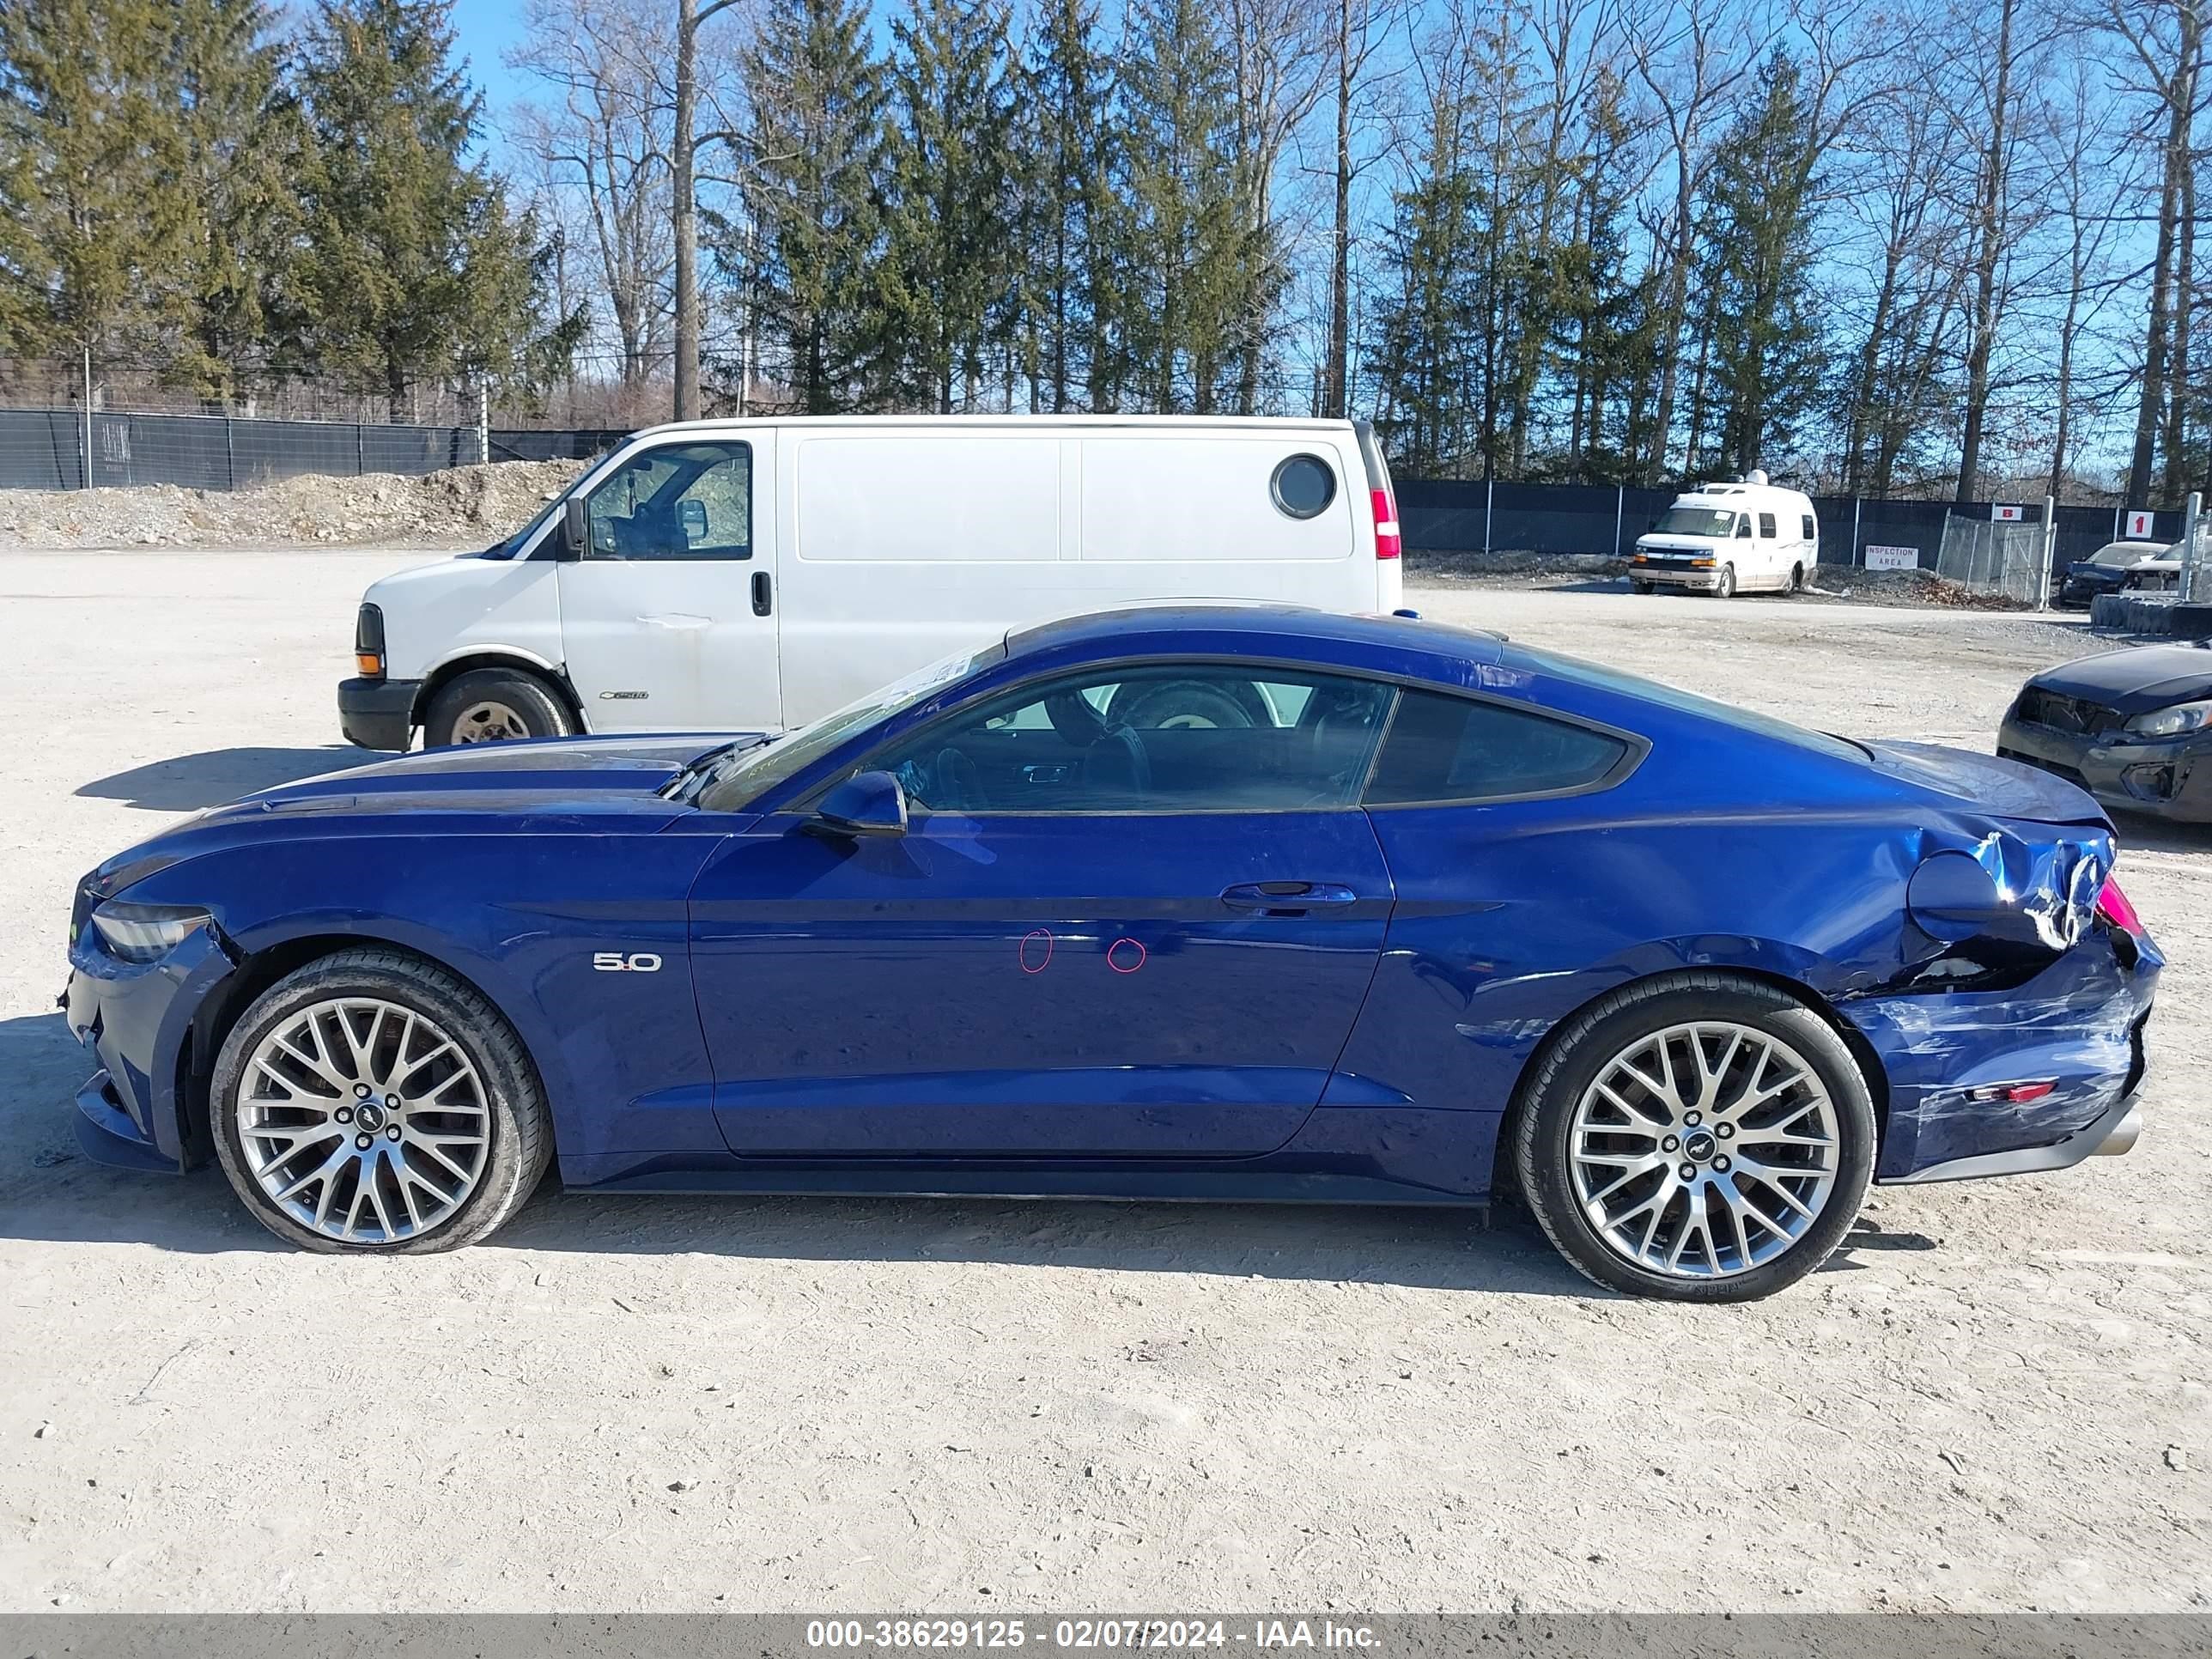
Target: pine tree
[
  {"x": 1187, "y": 256},
  {"x": 1070, "y": 164},
  {"x": 948, "y": 268},
  {"x": 815, "y": 156},
  {"x": 240, "y": 143},
  {"x": 414, "y": 268},
  {"x": 1419, "y": 357},
  {"x": 1765, "y": 359},
  {"x": 93, "y": 210},
  {"x": 1600, "y": 325}
]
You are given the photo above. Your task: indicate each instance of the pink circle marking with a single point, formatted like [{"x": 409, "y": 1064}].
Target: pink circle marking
[
  {"x": 1030, "y": 938},
  {"x": 1114, "y": 949}
]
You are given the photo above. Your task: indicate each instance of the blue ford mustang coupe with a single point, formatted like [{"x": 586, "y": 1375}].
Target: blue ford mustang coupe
[{"x": 1206, "y": 902}]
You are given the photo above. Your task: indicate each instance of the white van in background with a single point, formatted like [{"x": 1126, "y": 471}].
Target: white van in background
[
  {"x": 1749, "y": 537},
  {"x": 732, "y": 575}
]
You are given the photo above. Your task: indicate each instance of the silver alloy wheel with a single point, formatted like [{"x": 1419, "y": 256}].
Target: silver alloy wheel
[
  {"x": 490, "y": 722},
  {"x": 1704, "y": 1149},
  {"x": 363, "y": 1120}
]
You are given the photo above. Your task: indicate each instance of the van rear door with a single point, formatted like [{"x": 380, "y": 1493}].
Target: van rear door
[
  {"x": 1384, "y": 523},
  {"x": 668, "y": 621}
]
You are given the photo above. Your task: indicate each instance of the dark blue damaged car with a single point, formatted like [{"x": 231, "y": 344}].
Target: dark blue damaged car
[{"x": 1213, "y": 902}]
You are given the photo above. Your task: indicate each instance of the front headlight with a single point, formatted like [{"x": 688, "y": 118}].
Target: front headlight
[
  {"x": 146, "y": 933},
  {"x": 2172, "y": 722}
]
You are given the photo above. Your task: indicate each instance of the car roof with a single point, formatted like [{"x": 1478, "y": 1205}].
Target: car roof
[{"x": 1258, "y": 630}]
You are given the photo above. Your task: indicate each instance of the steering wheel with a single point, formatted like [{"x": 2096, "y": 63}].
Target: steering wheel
[{"x": 956, "y": 784}]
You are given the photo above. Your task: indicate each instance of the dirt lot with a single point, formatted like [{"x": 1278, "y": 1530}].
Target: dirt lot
[{"x": 1994, "y": 1399}]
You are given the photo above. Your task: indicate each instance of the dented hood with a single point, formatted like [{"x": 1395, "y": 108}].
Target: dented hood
[{"x": 2134, "y": 680}]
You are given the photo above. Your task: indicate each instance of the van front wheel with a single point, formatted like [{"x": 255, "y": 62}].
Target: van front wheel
[
  {"x": 1725, "y": 587},
  {"x": 493, "y": 705}
]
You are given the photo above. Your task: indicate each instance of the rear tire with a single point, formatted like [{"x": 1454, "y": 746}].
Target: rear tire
[
  {"x": 1600, "y": 1156},
  {"x": 372, "y": 1104},
  {"x": 1796, "y": 580},
  {"x": 495, "y": 705}
]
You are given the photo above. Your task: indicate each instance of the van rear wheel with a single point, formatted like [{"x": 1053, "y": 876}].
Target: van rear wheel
[{"x": 495, "y": 705}]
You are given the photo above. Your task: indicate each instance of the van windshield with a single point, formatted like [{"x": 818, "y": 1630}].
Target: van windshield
[
  {"x": 1714, "y": 521},
  {"x": 514, "y": 545}
]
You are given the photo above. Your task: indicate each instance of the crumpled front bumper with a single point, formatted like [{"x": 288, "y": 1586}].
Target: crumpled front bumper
[
  {"x": 1953, "y": 1059},
  {"x": 2171, "y": 780},
  {"x": 136, "y": 1019}
]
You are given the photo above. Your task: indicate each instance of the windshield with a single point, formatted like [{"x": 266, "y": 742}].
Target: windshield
[
  {"x": 1713, "y": 521},
  {"x": 2119, "y": 555},
  {"x": 744, "y": 776}
]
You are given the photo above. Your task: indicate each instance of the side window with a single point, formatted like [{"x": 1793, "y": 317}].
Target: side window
[
  {"x": 680, "y": 501},
  {"x": 1809, "y": 530},
  {"x": 1182, "y": 737},
  {"x": 1743, "y": 526},
  {"x": 1444, "y": 748},
  {"x": 1766, "y": 525}
]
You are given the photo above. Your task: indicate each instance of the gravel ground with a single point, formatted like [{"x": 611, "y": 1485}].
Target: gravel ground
[{"x": 1994, "y": 1399}]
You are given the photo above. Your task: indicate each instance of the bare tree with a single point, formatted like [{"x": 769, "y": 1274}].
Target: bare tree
[
  {"x": 1690, "y": 58},
  {"x": 1359, "y": 29},
  {"x": 605, "y": 148},
  {"x": 2166, "y": 39},
  {"x": 1278, "y": 52}
]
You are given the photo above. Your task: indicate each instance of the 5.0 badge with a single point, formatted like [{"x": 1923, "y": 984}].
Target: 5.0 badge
[{"x": 633, "y": 962}]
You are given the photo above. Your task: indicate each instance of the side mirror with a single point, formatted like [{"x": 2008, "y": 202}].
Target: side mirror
[
  {"x": 866, "y": 804},
  {"x": 692, "y": 515},
  {"x": 576, "y": 527}
]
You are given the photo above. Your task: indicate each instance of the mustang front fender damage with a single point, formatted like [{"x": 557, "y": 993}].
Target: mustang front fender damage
[
  {"x": 2013, "y": 1039},
  {"x": 137, "y": 1019}
]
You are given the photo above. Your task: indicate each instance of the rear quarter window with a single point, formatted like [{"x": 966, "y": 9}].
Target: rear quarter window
[{"x": 1458, "y": 749}]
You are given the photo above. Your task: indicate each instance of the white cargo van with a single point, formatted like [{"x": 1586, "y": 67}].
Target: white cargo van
[
  {"x": 726, "y": 575},
  {"x": 1749, "y": 537}
]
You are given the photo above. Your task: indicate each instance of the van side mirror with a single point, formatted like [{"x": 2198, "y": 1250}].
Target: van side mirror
[
  {"x": 576, "y": 527},
  {"x": 866, "y": 804}
]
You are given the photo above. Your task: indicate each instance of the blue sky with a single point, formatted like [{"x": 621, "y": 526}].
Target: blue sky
[{"x": 487, "y": 28}]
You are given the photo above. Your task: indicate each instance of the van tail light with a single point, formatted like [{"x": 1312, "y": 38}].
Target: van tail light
[
  {"x": 1388, "y": 545},
  {"x": 2112, "y": 905}
]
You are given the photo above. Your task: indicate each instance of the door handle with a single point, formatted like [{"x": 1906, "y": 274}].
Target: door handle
[
  {"x": 763, "y": 595},
  {"x": 1287, "y": 898}
]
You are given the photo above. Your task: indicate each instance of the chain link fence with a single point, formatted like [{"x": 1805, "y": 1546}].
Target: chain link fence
[{"x": 1993, "y": 556}]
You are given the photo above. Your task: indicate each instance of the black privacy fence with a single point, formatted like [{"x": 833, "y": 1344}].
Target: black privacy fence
[
  {"x": 45, "y": 449},
  {"x": 1455, "y": 516}
]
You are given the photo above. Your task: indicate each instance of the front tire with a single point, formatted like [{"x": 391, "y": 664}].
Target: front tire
[
  {"x": 371, "y": 1103},
  {"x": 1725, "y": 588},
  {"x": 495, "y": 705},
  {"x": 1698, "y": 1137},
  {"x": 1638, "y": 587}
]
